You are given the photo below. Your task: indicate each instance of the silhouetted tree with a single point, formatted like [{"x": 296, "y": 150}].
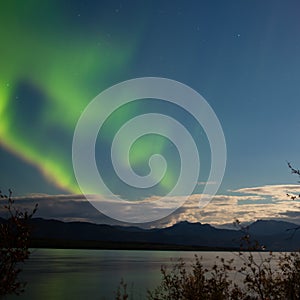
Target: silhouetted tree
[{"x": 14, "y": 245}]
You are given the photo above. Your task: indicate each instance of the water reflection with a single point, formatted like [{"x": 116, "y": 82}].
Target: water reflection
[{"x": 77, "y": 274}]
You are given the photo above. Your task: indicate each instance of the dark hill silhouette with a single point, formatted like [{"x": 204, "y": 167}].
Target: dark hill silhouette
[
  {"x": 270, "y": 227},
  {"x": 272, "y": 234}
]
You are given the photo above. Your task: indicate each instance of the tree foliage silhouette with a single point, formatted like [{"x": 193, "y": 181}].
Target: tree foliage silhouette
[{"x": 14, "y": 245}]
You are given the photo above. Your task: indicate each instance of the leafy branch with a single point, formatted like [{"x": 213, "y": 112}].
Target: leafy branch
[{"x": 14, "y": 245}]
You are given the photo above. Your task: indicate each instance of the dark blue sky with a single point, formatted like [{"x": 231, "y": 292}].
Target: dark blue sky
[{"x": 241, "y": 56}]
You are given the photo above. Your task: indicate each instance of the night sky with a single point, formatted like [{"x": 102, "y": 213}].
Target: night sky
[{"x": 241, "y": 56}]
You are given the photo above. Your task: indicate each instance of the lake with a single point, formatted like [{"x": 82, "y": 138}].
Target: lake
[{"x": 76, "y": 274}]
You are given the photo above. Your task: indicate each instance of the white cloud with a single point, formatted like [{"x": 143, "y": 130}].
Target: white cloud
[
  {"x": 207, "y": 182},
  {"x": 246, "y": 204},
  {"x": 276, "y": 192}
]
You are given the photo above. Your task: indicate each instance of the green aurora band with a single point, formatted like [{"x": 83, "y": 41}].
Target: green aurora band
[{"x": 68, "y": 65}]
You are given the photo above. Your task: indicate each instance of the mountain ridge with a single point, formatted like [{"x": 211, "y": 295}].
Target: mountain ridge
[
  {"x": 182, "y": 233},
  {"x": 274, "y": 235}
]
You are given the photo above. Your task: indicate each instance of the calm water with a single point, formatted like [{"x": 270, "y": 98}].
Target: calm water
[{"x": 78, "y": 274}]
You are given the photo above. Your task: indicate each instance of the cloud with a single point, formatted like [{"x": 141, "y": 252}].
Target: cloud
[
  {"x": 251, "y": 204},
  {"x": 246, "y": 204},
  {"x": 276, "y": 192},
  {"x": 62, "y": 207},
  {"x": 207, "y": 182},
  {"x": 230, "y": 210}
]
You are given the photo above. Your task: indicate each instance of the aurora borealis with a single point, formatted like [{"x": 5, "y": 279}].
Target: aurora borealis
[
  {"x": 241, "y": 56},
  {"x": 50, "y": 69}
]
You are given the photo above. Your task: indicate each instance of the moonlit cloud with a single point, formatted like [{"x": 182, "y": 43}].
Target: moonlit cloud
[
  {"x": 276, "y": 192},
  {"x": 262, "y": 202},
  {"x": 206, "y": 182}
]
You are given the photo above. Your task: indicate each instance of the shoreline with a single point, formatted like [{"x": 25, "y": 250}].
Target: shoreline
[{"x": 104, "y": 245}]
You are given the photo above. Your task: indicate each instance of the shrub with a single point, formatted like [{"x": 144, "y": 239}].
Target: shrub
[
  {"x": 268, "y": 277},
  {"x": 262, "y": 276},
  {"x": 14, "y": 245}
]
